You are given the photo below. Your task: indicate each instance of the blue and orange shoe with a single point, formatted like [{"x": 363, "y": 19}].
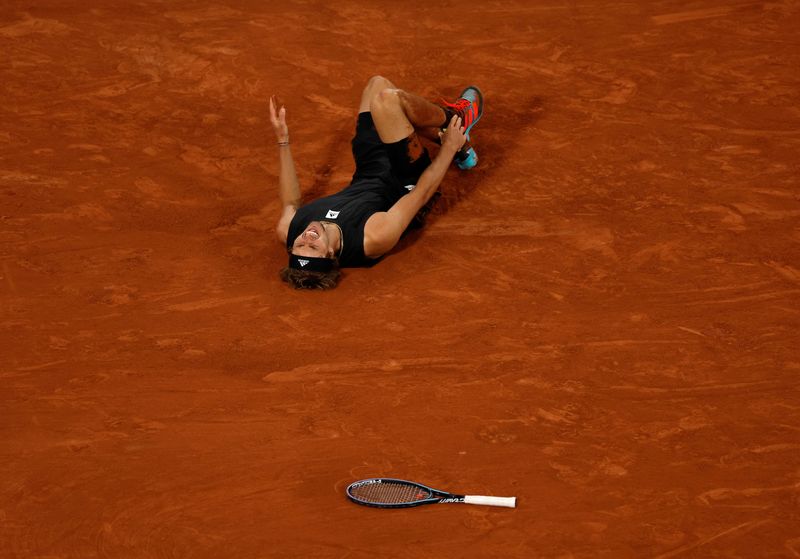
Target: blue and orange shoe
[{"x": 469, "y": 106}]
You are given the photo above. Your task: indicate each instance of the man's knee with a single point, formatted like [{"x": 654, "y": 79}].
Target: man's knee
[
  {"x": 374, "y": 86},
  {"x": 386, "y": 99},
  {"x": 376, "y": 83}
]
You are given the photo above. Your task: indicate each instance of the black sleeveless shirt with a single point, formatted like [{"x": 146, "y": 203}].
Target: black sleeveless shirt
[
  {"x": 383, "y": 175},
  {"x": 349, "y": 209}
]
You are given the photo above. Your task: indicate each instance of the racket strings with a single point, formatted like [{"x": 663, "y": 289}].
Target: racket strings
[{"x": 391, "y": 492}]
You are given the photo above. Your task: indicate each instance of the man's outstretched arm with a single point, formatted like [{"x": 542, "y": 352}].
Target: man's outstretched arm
[
  {"x": 287, "y": 178},
  {"x": 384, "y": 229}
]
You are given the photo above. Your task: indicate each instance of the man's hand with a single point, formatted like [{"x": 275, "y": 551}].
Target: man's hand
[
  {"x": 453, "y": 138},
  {"x": 277, "y": 117}
]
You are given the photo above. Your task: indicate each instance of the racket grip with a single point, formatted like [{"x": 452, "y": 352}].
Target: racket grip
[{"x": 510, "y": 502}]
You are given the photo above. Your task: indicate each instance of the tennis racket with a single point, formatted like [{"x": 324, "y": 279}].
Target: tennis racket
[{"x": 388, "y": 493}]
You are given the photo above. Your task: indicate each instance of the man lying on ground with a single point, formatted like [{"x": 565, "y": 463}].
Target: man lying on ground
[{"x": 394, "y": 179}]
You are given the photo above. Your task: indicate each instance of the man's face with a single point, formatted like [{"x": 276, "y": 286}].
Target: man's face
[{"x": 313, "y": 241}]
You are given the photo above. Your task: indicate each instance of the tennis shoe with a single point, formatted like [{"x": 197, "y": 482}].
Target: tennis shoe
[{"x": 469, "y": 106}]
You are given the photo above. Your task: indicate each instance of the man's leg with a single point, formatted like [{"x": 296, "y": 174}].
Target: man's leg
[
  {"x": 369, "y": 153},
  {"x": 397, "y": 114},
  {"x": 375, "y": 85}
]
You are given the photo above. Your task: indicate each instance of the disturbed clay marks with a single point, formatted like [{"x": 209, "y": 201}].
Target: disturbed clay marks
[
  {"x": 28, "y": 25},
  {"x": 600, "y": 318}
]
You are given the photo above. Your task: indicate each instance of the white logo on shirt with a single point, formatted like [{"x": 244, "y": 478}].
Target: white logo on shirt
[
  {"x": 331, "y": 214},
  {"x": 410, "y": 187},
  {"x": 302, "y": 262}
]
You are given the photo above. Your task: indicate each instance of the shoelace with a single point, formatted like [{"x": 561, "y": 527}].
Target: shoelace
[{"x": 460, "y": 104}]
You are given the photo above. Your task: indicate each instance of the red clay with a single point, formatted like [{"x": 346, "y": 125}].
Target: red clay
[{"x": 600, "y": 319}]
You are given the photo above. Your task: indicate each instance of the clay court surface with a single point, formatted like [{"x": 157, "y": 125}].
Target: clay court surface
[{"x": 601, "y": 319}]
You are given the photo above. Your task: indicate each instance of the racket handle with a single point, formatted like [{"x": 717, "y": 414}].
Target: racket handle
[{"x": 510, "y": 502}]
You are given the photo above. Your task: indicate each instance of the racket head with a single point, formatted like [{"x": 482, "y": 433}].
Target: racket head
[{"x": 391, "y": 493}]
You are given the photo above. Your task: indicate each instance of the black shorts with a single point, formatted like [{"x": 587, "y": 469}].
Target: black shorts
[{"x": 389, "y": 162}]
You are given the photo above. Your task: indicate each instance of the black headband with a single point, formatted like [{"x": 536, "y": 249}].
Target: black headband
[{"x": 311, "y": 263}]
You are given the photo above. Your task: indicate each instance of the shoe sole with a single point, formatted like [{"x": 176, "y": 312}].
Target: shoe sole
[{"x": 469, "y": 161}]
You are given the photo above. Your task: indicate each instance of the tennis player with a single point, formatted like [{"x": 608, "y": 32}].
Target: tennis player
[{"x": 394, "y": 179}]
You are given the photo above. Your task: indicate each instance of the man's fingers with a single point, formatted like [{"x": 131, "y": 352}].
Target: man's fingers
[
  {"x": 455, "y": 122},
  {"x": 273, "y": 112},
  {"x": 276, "y": 108},
  {"x": 277, "y": 113}
]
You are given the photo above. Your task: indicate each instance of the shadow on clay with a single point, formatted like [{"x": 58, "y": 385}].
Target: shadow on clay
[
  {"x": 322, "y": 172},
  {"x": 508, "y": 117}
]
